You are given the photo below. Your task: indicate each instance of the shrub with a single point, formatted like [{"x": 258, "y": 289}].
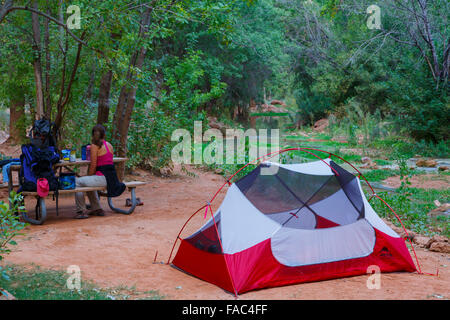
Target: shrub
[{"x": 10, "y": 225}]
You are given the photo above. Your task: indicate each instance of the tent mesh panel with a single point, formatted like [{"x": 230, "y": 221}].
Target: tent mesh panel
[
  {"x": 206, "y": 238},
  {"x": 298, "y": 200}
]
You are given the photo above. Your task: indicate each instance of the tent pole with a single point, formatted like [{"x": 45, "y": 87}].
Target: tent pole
[
  {"x": 179, "y": 233},
  {"x": 404, "y": 229},
  {"x": 332, "y": 154}
]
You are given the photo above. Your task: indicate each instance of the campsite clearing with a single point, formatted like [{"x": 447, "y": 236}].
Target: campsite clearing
[{"x": 120, "y": 250}]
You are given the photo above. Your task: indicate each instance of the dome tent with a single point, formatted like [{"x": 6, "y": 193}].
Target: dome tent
[{"x": 306, "y": 222}]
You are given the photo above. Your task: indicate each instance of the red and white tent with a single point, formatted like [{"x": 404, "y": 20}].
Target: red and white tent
[{"x": 306, "y": 222}]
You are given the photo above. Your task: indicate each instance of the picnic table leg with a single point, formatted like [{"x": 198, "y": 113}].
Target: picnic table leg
[
  {"x": 133, "y": 203},
  {"x": 41, "y": 212},
  {"x": 10, "y": 185}
]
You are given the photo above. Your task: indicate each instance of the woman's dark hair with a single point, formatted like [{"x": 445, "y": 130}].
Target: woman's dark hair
[{"x": 98, "y": 134}]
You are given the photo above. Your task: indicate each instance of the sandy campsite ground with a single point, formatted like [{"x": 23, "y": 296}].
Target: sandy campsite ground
[{"x": 120, "y": 250}]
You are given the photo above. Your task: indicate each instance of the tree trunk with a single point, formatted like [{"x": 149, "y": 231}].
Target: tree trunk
[
  {"x": 127, "y": 97},
  {"x": 105, "y": 86},
  {"x": 103, "y": 97},
  {"x": 60, "y": 106},
  {"x": 16, "y": 110},
  {"x": 90, "y": 87},
  {"x": 37, "y": 63},
  {"x": 48, "y": 103}
]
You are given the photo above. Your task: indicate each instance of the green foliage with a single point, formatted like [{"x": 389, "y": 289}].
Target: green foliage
[
  {"x": 213, "y": 65},
  {"x": 380, "y": 175},
  {"x": 419, "y": 109},
  {"x": 250, "y": 57},
  {"x": 412, "y": 206},
  {"x": 342, "y": 64},
  {"x": 10, "y": 224},
  {"x": 149, "y": 141},
  {"x": 36, "y": 283},
  {"x": 440, "y": 149},
  {"x": 210, "y": 57},
  {"x": 396, "y": 146}
]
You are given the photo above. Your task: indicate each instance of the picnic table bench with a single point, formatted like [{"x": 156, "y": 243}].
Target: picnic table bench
[{"x": 41, "y": 209}]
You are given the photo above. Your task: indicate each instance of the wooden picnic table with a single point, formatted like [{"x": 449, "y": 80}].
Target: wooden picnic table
[
  {"x": 41, "y": 211},
  {"x": 61, "y": 164},
  {"x": 78, "y": 162}
]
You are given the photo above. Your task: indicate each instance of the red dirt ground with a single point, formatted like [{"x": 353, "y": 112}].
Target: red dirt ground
[{"x": 119, "y": 250}]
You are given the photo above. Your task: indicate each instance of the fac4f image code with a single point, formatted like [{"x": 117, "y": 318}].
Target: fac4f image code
[{"x": 228, "y": 309}]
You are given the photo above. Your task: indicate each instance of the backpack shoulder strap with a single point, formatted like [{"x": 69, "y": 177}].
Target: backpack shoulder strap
[{"x": 54, "y": 132}]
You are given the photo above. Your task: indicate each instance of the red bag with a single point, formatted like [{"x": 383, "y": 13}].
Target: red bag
[{"x": 42, "y": 187}]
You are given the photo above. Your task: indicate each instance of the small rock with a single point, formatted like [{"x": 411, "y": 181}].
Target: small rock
[
  {"x": 440, "y": 247},
  {"x": 178, "y": 288},
  {"x": 278, "y": 102},
  {"x": 426, "y": 163},
  {"x": 440, "y": 238},
  {"x": 321, "y": 125},
  {"x": 409, "y": 235},
  {"x": 271, "y": 108},
  {"x": 441, "y": 210},
  {"x": 370, "y": 165},
  {"x": 436, "y": 238},
  {"x": 166, "y": 171},
  {"x": 366, "y": 160},
  {"x": 421, "y": 241},
  {"x": 443, "y": 168}
]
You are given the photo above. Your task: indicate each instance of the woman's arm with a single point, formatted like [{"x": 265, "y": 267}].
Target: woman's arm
[{"x": 94, "y": 155}]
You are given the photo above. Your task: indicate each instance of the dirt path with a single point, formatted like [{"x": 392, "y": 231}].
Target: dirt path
[{"x": 119, "y": 250}]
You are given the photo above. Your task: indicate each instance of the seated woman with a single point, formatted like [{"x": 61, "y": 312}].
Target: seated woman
[{"x": 101, "y": 155}]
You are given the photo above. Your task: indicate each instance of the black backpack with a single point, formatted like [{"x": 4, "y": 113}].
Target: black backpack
[
  {"x": 37, "y": 163},
  {"x": 44, "y": 133}
]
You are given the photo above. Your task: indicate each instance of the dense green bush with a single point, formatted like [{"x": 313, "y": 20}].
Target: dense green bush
[
  {"x": 149, "y": 140},
  {"x": 208, "y": 58},
  {"x": 10, "y": 226}
]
